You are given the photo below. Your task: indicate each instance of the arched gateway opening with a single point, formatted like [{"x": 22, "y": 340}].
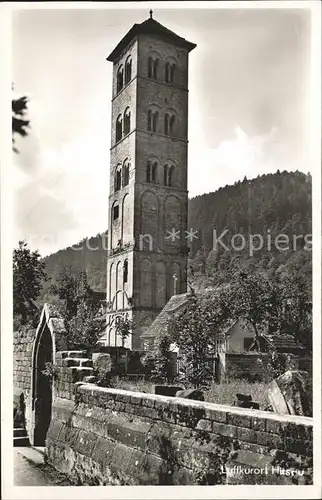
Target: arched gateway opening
[{"x": 42, "y": 383}]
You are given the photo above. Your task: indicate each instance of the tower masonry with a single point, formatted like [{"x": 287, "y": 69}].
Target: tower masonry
[{"x": 148, "y": 200}]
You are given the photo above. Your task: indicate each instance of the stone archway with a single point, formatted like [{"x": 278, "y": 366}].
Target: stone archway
[{"x": 42, "y": 385}]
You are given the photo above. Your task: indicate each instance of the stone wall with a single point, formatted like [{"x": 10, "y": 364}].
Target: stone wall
[
  {"x": 114, "y": 437},
  {"x": 253, "y": 367},
  {"x": 250, "y": 366},
  {"x": 22, "y": 370}
]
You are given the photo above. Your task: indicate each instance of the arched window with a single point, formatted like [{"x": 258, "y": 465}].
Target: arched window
[
  {"x": 117, "y": 180},
  {"x": 116, "y": 211},
  {"x": 119, "y": 79},
  {"x": 125, "y": 271},
  {"x": 166, "y": 124},
  {"x": 150, "y": 67},
  {"x": 168, "y": 174},
  {"x": 126, "y": 173},
  {"x": 149, "y": 119},
  {"x": 118, "y": 129},
  {"x": 154, "y": 172},
  {"x": 153, "y": 120},
  {"x": 167, "y": 72},
  {"x": 128, "y": 70},
  {"x": 148, "y": 172},
  {"x": 165, "y": 174},
  {"x": 127, "y": 121},
  {"x": 151, "y": 172},
  {"x": 155, "y": 69},
  {"x": 172, "y": 72},
  {"x": 171, "y": 125}
]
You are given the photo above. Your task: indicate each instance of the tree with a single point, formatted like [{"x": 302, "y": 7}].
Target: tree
[
  {"x": 78, "y": 308},
  {"x": 28, "y": 273},
  {"x": 19, "y": 124},
  {"x": 295, "y": 311},
  {"x": 194, "y": 331},
  {"x": 254, "y": 300},
  {"x": 124, "y": 328}
]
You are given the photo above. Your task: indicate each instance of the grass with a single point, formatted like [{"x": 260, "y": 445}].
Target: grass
[{"x": 224, "y": 393}]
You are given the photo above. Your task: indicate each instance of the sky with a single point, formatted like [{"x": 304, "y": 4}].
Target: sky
[{"x": 248, "y": 107}]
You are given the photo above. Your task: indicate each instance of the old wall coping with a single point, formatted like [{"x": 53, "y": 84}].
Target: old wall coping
[{"x": 92, "y": 389}]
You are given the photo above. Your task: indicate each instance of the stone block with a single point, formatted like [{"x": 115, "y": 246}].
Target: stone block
[
  {"x": 268, "y": 439},
  {"x": 291, "y": 393},
  {"x": 85, "y": 443},
  {"x": 247, "y": 435},
  {"x": 194, "y": 394},
  {"x": 102, "y": 364},
  {"x": 167, "y": 390},
  {"x": 239, "y": 420},
  {"x": 204, "y": 425},
  {"x": 224, "y": 429},
  {"x": 258, "y": 424},
  {"x": 70, "y": 362}
]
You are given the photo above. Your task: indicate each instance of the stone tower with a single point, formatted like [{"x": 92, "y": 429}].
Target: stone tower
[{"x": 148, "y": 177}]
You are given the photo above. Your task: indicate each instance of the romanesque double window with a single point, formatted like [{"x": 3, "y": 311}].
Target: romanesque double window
[
  {"x": 169, "y": 72},
  {"x": 151, "y": 172},
  {"x": 169, "y": 121},
  {"x": 124, "y": 75},
  {"x": 123, "y": 125},
  {"x": 122, "y": 175},
  {"x": 153, "y": 68},
  {"x": 153, "y": 117}
]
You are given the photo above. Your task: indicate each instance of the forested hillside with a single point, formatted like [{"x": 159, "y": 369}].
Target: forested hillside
[
  {"x": 275, "y": 206},
  {"x": 270, "y": 205}
]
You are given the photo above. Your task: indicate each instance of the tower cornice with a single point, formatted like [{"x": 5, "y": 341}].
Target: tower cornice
[{"x": 152, "y": 28}]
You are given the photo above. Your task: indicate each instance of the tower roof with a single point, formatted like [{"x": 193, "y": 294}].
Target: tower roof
[{"x": 150, "y": 27}]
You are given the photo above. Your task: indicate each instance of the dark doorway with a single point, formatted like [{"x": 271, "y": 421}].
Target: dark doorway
[{"x": 42, "y": 397}]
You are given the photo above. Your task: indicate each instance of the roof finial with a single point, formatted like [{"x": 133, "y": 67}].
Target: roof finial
[{"x": 151, "y": 12}]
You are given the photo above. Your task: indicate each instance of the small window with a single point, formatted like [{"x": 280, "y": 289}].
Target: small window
[
  {"x": 117, "y": 180},
  {"x": 128, "y": 70},
  {"x": 153, "y": 120},
  {"x": 165, "y": 174},
  {"x": 118, "y": 129},
  {"x": 167, "y": 72},
  {"x": 170, "y": 175},
  {"x": 150, "y": 67},
  {"x": 166, "y": 124},
  {"x": 172, "y": 72},
  {"x": 126, "y": 173},
  {"x": 116, "y": 212},
  {"x": 148, "y": 172},
  {"x": 127, "y": 121},
  {"x": 155, "y": 69},
  {"x": 125, "y": 271},
  {"x": 154, "y": 172},
  {"x": 149, "y": 120},
  {"x": 171, "y": 125},
  {"x": 119, "y": 79}
]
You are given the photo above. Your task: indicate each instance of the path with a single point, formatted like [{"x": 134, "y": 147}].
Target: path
[{"x": 31, "y": 470}]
